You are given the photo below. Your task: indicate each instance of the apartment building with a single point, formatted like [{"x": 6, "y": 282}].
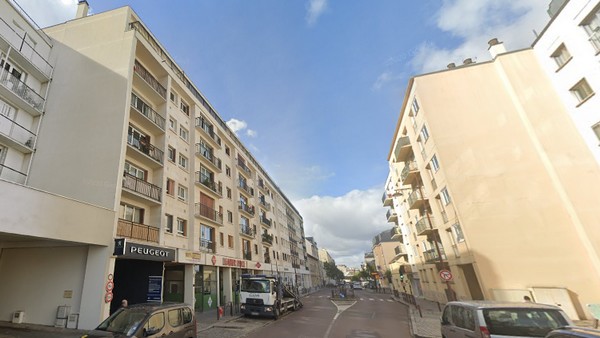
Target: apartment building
[
  {"x": 317, "y": 271},
  {"x": 389, "y": 254},
  {"x": 568, "y": 49},
  {"x": 496, "y": 186},
  {"x": 146, "y": 194}
]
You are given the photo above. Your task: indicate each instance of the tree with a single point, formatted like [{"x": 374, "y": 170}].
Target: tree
[{"x": 332, "y": 271}]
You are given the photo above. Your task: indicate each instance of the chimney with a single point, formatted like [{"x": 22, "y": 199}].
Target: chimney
[
  {"x": 496, "y": 47},
  {"x": 451, "y": 65},
  {"x": 82, "y": 9},
  {"x": 468, "y": 61}
]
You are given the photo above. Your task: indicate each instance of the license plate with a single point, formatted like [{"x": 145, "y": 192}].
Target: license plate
[{"x": 254, "y": 313}]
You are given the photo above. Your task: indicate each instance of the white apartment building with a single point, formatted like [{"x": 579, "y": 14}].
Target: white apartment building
[
  {"x": 137, "y": 188},
  {"x": 569, "y": 51}
]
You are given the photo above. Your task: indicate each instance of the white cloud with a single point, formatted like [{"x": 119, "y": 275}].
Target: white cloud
[
  {"x": 474, "y": 23},
  {"x": 315, "y": 10},
  {"x": 236, "y": 125},
  {"x": 49, "y": 12},
  {"x": 251, "y": 133},
  {"x": 344, "y": 225}
]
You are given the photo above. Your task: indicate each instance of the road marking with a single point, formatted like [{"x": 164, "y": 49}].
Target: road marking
[
  {"x": 340, "y": 309},
  {"x": 371, "y": 299},
  {"x": 381, "y": 300},
  {"x": 389, "y": 300}
]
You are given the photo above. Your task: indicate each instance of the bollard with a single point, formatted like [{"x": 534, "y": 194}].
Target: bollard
[
  {"x": 231, "y": 309},
  {"x": 420, "y": 313},
  {"x": 439, "y": 307}
]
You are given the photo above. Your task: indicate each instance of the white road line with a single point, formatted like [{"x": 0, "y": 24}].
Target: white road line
[{"x": 371, "y": 299}]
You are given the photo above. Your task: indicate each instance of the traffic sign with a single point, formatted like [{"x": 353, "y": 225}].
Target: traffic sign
[
  {"x": 446, "y": 275},
  {"x": 110, "y": 285}
]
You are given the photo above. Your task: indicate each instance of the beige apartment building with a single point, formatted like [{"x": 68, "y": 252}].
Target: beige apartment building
[
  {"x": 389, "y": 254},
  {"x": 137, "y": 188},
  {"x": 496, "y": 186}
]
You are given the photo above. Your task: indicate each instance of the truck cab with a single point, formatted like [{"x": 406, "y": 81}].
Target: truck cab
[{"x": 262, "y": 295}]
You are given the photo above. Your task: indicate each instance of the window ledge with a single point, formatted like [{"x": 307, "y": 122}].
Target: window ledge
[
  {"x": 564, "y": 64},
  {"x": 585, "y": 100}
]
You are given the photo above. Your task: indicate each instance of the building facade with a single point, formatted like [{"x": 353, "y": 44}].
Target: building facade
[
  {"x": 388, "y": 255},
  {"x": 490, "y": 186},
  {"x": 165, "y": 202}
]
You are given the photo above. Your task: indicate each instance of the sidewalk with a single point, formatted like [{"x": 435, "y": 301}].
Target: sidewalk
[{"x": 424, "y": 317}]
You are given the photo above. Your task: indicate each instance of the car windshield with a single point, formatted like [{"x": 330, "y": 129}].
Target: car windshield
[
  {"x": 522, "y": 321},
  {"x": 124, "y": 321},
  {"x": 253, "y": 285}
]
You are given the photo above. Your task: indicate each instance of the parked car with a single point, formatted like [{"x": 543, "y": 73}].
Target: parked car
[
  {"x": 357, "y": 286},
  {"x": 575, "y": 332},
  {"x": 149, "y": 320},
  {"x": 492, "y": 319}
]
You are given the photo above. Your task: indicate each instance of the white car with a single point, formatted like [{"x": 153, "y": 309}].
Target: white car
[{"x": 356, "y": 285}]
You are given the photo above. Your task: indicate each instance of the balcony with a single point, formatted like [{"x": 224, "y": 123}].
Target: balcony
[
  {"x": 209, "y": 157},
  {"x": 409, "y": 173},
  {"x": 138, "y": 231},
  {"x": 249, "y": 210},
  {"x": 267, "y": 258},
  {"x": 402, "y": 149},
  {"x": 423, "y": 227},
  {"x": 209, "y": 213},
  {"x": 267, "y": 239},
  {"x": 208, "y": 246},
  {"x": 142, "y": 187},
  {"x": 416, "y": 200},
  {"x": 12, "y": 133},
  {"x": 396, "y": 234},
  {"x": 387, "y": 199},
  {"x": 245, "y": 188},
  {"x": 595, "y": 39},
  {"x": 242, "y": 165},
  {"x": 208, "y": 130},
  {"x": 147, "y": 149},
  {"x": 11, "y": 174},
  {"x": 431, "y": 255},
  {"x": 215, "y": 189},
  {"x": 156, "y": 122},
  {"x": 23, "y": 53},
  {"x": 247, "y": 255},
  {"x": 264, "y": 204},
  {"x": 149, "y": 83},
  {"x": 247, "y": 231},
  {"x": 399, "y": 252},
  {"x": 17, "y": 91},
  {"x": 392, "y": 216},
  {"x": 265, "y": 221},
  {"x": 262, "y": 186}
]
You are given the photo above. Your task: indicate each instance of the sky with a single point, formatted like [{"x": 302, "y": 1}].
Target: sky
[{"x": 314, "y": 88}]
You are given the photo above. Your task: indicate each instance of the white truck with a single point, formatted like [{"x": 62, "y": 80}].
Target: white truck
[{"x": 262, "y": 295}]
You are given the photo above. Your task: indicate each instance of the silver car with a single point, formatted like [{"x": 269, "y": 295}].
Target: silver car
[{"x": 491, "y": 319}]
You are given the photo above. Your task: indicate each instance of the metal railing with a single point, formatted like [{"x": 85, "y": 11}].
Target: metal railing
[
  {"x": 243, "y": 166},
  {"x": 266, "y": 238},
  {"x": 247, "y": 230},
  {"x": 242, "y": 184},
  {"x": 145, "y": 109},
  {"x": 22, "y": 90},
  {"x": 207, "y": 154},
  {"x": 207, "y": 245},
  {"x": 265, "y": 221},
  {"x": 247, "y": 208},
  {"x": 408, "y": 167},
  {"x": 135, "y": 230},
  {"x": 431, "y": 255},
  {"x": 208, "y": 212},
  {"x": 14, "y": 130},
  {"x": 391, "y": 214},
  {"x": 150, "y": 79},
  {"x": 146, "y": 148},
  {"x": 11, "y": 174},
  {"x": 414, "y": 197},
  {"x": 423, "y": 225},
  {"x": 208, "y": 129},
  {"x": 247, "y": 256},
  {"x": 207, "y": 181},
  {"x": 142, "y": 187}
]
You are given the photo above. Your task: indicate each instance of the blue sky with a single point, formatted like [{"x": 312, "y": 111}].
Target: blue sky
[{"x": 314, "y": 87}]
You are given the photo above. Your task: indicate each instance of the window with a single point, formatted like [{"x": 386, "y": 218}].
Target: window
[
  {"x": 229, "y": 193},
  {"x": 156, "y": 322},
  {"x": 174, "y": 317},
  {"x": 591, "y": 25},
  {"x": 561, "y": 56},
  {"x": 135, "y": 171},
  {"x": 181, "y": 227},
  {"x": 445, "y": 196},
  {"x": 182, "y": 192},
  {"x": 229, "y": 216},
  {"x": 227, "y": 151},
  {"x": 14, "y": 71},
  {"x": 227, "y": 171},
  {"x": 170, "y": 187},
  {"x": 230, "y": 241},
  {"x": 415, "y": 106},
  {"x": 221, "y": 239},
  {"x": 184, "y": 107},
  {"x": 596, "y": 129},
  {"x": 172, "y": 124},
  {"x": 169, "y": 225},
  {"x": 206, "y": 237},
  {"x": 184, "y": 134},
  {"x": 173, "y": 97},
  {"x": 256, "y": 249},
  {"x": 183, "y": 161},
  {"x": 582, "y": 90},
  {"x": 460, "y": 237},
  {"x": 171, "y": 154},
  {"x": 131, "y": 213},
  {"x": 435, "y": 164},
  {"x": 424, "y": 133}
]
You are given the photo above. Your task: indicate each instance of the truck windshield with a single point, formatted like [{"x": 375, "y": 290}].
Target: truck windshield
[{"x": 253, "y": 285}]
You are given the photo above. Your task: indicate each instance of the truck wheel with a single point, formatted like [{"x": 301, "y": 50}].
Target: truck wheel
[{"x": 276, "y": 313}]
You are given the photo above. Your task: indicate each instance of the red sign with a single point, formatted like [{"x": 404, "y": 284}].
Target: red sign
[
  {"x": 446, "y": 275},
  {"x": 214, "y": 260},
  {"x": 108, "y": 297},
  {"x": 110, "y": 286},
  {"x": 234, "y": 262},
  {"x": 258, "y": 265}
]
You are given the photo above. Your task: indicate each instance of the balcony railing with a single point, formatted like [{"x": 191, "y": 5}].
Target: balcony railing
[
  {"x": 246, "y": 208},
  {"x": 386, "y": 199},
  {"x": 265, "y": 221},
  {"x": 150, "y": 79},
  {"x": 11, "y": 174},
  {"x": 208, "y": 212},
  {"x": 146, "y": 148},
  {"x": 207, "y": 181},
  {"x": 391, "y": 216},
  {"x": 399, "y": 250},
  {"x": 244, "y": 186},
  {"x": 423, "y": 227},
  {"x": 215, "y": 161},
  {"x": 243, "y": 166},
  {"x": 595, "y": 39},
  {"x": 409, "y": 167},
  {"x": 432, "y": 256},
  {"x": 246, "y": 230},
  {"x": 247, "y": 255},
  {"x": 396, "y": 233},
  {"x": 22, "y": 90},
  {"x": 208, "y": 129},
  {"x": 415, "y": 197},
  {"x": 147, "y": 111},
  {"x": 21, "y": 44},
  {"x": 14, "y": 130},
  {"x": 264, "y": 203},
  {"x": 206, "y": 245},
  {"x": 139, "y": 231},
  {"x": 266, "y": 238},
  {"x": 142, "y": 187}
]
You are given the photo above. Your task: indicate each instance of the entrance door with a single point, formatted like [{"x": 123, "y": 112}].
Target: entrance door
[
  {"x": 132, "y": 280},
  {"x": 174, "y": 283}
]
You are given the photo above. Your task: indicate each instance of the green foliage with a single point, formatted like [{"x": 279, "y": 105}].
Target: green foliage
[
  {"x": 388, "y": 275},
  {"x": 332, "y": 271}
]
